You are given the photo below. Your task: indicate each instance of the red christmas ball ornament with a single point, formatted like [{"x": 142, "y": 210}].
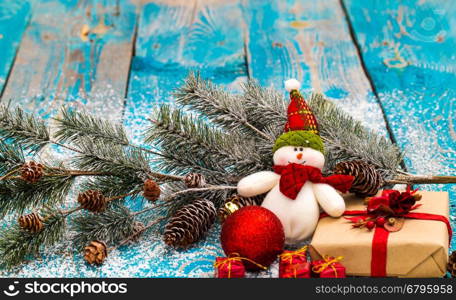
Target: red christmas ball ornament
[{"x": 255, "y": 233}]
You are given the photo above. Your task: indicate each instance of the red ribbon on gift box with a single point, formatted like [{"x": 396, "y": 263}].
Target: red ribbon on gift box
[{"x": 380, "y": 239}]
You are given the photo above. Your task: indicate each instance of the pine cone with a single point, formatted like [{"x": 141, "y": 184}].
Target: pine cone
[
  {"x": 194, "y": 180},
  {"x": 151, "y": 190},
  {"x": 95, "y": 253},
  {"x": 31, "y": 222},
  {"x": 451, "y": 266},
  {"x": 93, "y": 201},
  {"x": 236, "y": 202},
  {"x": 367, "y": 179},
  {"x": 32, "y": 171},
  {"x": 190, "y": 223}
]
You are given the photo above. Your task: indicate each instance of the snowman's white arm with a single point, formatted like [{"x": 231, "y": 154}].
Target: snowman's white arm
[
  {"x": 257, "y": 183},
  {"x": 329, "y": 199}
]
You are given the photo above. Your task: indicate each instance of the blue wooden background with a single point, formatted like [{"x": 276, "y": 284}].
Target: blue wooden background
[{"x": 391, "y": 64}]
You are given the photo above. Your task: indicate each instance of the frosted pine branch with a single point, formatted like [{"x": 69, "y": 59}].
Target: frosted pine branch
[
  {"x": 222, "y": 108},
  {"x": 184, "y": 135},
  {"x": 111, "y": 226},
  {"x": 16, "y": 244},
  {"x": 347, "y": 139},
  {"x": 19, "y": 195},
  {"x": 11, "y": 156},
  {"x": 72, "y": 125},
  {"x": 264, "y": 106},
  {"x": 23, "y": 128},
  {"x": 97, "y": 155}
]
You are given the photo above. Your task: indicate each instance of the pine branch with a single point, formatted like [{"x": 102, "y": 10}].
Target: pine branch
[
  {"x": 18, "y": 195},
  {"x": 74, "y": 125},
  {"x": 184, "y": 135},
  {"x": 111, "y": 226},
  {"x": 48, "y": 171},
  {"x": 213, "y": 102},
  {"x": 97, "y": 155},
  {"x": 347, "y": 139},
  {"x": 111, "y": 186},
  {"x": 264, "y": 106},
  {"x": 11, "y": 157},
  {"x": 23, "y": 128},
  {"x": 208, "y": 189},
  {"x": 135, "y": 235},
  {"x": 207, "y": 146},
  {"x": 16, "y": 244},
  {"x": 421, "y": 179},
  {"x": 175, "y": 163},
  {"x": 177, "y": 195},
  {"x": 266, "y": 109}
]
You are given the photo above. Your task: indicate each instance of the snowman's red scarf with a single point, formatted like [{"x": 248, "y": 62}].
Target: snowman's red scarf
[{"x": 294, "y": 176}]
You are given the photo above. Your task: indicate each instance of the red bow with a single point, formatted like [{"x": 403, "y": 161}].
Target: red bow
[
  {"x": 294, "y": 176},
  {"x": 393, "y": 202}
]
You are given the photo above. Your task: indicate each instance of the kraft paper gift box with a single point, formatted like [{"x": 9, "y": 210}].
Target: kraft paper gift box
[{"x": 419, "y": 249}]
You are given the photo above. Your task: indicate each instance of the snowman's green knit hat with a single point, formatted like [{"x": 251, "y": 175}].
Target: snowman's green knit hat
[
  {"x": 301, "y": 130},
  {"x": 299, "y": 138}
]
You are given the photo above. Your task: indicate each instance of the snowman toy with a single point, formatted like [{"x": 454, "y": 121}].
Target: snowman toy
[{"x": 297, "y": 189}]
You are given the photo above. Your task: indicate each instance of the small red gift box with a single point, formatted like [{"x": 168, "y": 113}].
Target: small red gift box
[
  {"x": 294, "y": 264},
  {"x": 229, "y": 267},
  {"x": 328, "y": 267}
]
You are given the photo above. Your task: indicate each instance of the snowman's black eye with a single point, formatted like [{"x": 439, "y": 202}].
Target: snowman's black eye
[
  {"x": 295, "y": 149},
  {"x": 300, "y": 149}
]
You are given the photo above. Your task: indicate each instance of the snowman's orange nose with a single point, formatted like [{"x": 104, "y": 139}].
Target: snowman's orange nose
[{"x": 299, "y": 156}]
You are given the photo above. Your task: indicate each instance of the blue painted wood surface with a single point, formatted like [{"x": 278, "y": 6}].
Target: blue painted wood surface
[
  {"x": 14, "y": 15},
  {"x": 408, "y": 48},
  {"x": 79, "y": 53},
  {"x": 74, "y": 52},
  {"x": 178, "y": 38}
]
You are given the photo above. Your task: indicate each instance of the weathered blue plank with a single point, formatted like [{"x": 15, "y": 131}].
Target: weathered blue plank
[
  {"x": 408, "y": 48},
  {"x": 74, "y": 52},
  {"x": 309, "y": 40},
  {"x": 179, "y": 37},
  {"x": 14, "y": 15},
  {"x": 174, "y": 39}
]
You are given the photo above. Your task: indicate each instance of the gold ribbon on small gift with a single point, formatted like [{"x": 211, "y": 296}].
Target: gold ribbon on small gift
[
  {"x": 328, "y": 261},
  {"x": 235, "y": 257},
  {"x": 288, "y": 257}
]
